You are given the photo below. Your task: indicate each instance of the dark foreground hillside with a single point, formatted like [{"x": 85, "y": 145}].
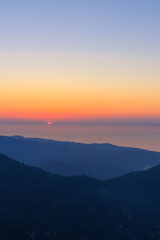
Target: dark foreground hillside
[{"x": 41, "y": 206}]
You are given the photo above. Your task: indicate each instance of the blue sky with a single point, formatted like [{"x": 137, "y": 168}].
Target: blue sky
[
  {"x": 75, "y": 59},
  {"x": 110, "y": 26}
]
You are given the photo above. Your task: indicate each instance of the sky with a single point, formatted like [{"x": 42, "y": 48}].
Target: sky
[{"x": 84, "y": 59}]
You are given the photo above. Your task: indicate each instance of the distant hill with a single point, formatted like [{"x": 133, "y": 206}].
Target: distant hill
[
  {"x": 101, "y": 161},
  {"x": 68, "y": 158},
  {"x": 38, "y": 205}
]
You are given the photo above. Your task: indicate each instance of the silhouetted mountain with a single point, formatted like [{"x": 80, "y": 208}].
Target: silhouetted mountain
[
  {"x": 41, "y": 206},
  {"x": 68, "y": 158}
]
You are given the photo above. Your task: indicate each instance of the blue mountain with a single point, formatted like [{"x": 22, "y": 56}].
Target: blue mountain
[{"x": 102, "y": 161}]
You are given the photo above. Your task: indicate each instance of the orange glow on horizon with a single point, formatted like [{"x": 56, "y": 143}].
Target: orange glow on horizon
[
  {"x": 80, "y": 92},
  {"x": 71, "y": 116}
]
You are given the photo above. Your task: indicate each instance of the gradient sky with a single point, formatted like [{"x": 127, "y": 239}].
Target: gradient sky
[{"x": 64, "y": 59}]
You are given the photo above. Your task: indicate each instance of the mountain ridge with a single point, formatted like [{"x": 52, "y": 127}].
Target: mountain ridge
[
  {"x": 101, "y": 161},
  {"x": 38, "y": 205}
]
